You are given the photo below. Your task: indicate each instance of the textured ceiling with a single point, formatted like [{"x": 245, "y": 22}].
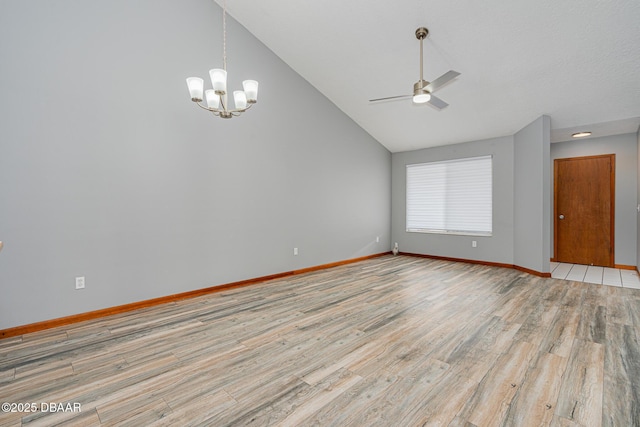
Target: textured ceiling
[{"x": 577, "y": 61}]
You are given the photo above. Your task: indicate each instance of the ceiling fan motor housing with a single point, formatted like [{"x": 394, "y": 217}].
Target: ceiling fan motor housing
[{"x": 420, "y": 87}]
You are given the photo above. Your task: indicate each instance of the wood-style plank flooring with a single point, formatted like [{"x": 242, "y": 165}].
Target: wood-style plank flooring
[{"x": 391, "y": 341}]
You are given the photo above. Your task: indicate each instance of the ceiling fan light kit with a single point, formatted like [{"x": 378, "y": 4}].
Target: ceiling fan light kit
[
  {"x": 422, "y": 89},
  {"x": 420, "y": 94}
]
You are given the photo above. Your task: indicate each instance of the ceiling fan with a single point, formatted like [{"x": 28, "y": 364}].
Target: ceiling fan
[{"x": 422, "y": 89}]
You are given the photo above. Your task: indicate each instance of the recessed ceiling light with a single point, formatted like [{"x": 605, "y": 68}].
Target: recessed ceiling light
[{"x": 581, "y": 134}]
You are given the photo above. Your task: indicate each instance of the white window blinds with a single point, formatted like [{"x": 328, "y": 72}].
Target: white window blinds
[{"x": 453, "y": 196}]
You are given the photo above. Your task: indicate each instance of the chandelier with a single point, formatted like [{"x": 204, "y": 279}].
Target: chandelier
[{"x": 217, "y": 97}]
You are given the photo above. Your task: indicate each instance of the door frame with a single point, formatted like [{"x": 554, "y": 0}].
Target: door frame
[{"x": 612, "y": 201}]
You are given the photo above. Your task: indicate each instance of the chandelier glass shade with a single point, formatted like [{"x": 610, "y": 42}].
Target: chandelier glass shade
[{"x": 216, "y": 98}]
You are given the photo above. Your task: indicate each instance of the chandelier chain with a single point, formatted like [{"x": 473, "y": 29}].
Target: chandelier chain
[{"x": 224, "y": 35}]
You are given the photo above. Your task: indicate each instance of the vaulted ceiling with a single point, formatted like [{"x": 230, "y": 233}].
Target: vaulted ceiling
[{"x": 577, "y": 61}]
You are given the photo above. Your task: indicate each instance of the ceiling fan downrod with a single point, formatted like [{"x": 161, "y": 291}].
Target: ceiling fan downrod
[{"x": 420, "y": 94}]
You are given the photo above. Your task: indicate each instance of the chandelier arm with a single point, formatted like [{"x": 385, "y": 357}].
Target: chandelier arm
[
  {"x": 246, "y": 108},
  {"x": 205, "y": 108},
  {"x": 202, "y": 106},
  {"x": 223, "y": 112},
  {"x": 235, "y": 112},
  {"x": 240, "y": 110},
  {"x": 215, "y": 111}
]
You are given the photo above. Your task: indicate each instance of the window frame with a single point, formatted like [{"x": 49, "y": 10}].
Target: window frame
[{"x": 446, "y": 230}]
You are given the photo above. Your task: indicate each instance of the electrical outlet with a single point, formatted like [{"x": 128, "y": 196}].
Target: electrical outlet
[
  {"x": 474, "y": 244},
  {"x": 377, "y": 239},
  {"x": 295, "y": 251},
  {"x": 80, "y": 282}
]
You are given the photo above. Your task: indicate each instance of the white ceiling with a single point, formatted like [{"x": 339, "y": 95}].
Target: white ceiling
[{"x": 577, "y": 61}]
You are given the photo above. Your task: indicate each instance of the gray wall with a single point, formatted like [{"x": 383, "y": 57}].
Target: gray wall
[
  {"x": 497, "y": 248},
  {"x": 108, "y": 170},
  {"x": 625, "y": 147},
  {"x": 638, "y": 202},
  {"x": 521, "y": 206},
  {"x": 532, "y": 189}
]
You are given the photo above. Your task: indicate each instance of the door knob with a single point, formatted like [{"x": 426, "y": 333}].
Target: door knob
[{"x": 561, "y": 216}]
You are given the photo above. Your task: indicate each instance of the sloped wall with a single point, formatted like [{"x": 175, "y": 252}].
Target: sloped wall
[{"x": 108, "y": 171}]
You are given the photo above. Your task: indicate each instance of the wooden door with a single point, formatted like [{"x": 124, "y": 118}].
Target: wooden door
[{"x": 584, "y": 194}]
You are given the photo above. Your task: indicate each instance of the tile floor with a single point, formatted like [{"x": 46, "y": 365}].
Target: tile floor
[{"x": 598, "y": 275}]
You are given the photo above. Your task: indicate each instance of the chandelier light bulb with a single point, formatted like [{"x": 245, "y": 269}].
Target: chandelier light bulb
[
  {"x": 213, "y": 100},
  {"x": 219, "y": 80},
  {"x": 240, "y": 99},
  {"x": 195, "y": 85},
  {"x": 251, "y": 90}
]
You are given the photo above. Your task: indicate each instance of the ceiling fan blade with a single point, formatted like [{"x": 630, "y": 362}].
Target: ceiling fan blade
[
  {"x": 437, "y": 102},
  {"x": 389, "y": 98},
  {"x": 442, "y": 80}
]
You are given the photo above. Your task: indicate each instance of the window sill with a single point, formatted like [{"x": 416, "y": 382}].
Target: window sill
[{"x": 455, "y": 233}]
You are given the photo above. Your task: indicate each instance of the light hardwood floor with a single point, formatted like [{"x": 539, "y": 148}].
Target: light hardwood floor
[{"x": 392, "y": 341}]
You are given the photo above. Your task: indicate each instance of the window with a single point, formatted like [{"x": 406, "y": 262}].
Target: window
[{"x": 453, "y": 196}]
